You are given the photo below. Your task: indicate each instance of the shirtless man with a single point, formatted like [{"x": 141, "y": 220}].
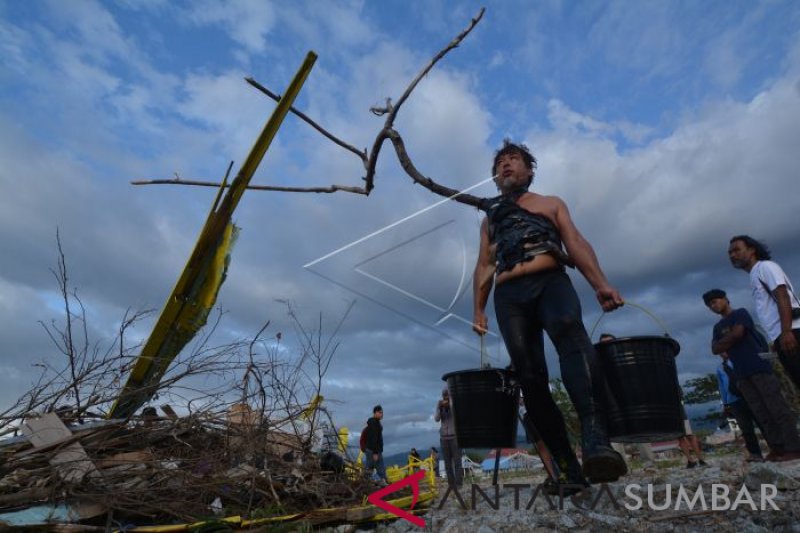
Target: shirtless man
[{"x": 521, "y": 255}]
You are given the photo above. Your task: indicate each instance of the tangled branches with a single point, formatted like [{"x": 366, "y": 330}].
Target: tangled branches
[{"x": 249, "y": 434}]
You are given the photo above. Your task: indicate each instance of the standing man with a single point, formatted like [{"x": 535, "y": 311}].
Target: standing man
[
  {"x": 735, "y": 335},
  {"x": 777, "y": 306},
  {"x": 521, "y": 256},
  {"x": 451, "y": 454},
  {"x": 373, "y": 448}
]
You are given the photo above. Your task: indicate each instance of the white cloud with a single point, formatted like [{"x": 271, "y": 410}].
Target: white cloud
[
  {"x": 13, "y": 44},
  {"x": 689, "y": 188},
  {"x": 247, "y": 22},
  {"x": 93, "y": 27},
  {"x": 564, "y": 119},
  {"x": 230, "y": 109}
]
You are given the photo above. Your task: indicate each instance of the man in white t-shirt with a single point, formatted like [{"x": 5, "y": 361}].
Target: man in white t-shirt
[{"x": 777, "y": 306}]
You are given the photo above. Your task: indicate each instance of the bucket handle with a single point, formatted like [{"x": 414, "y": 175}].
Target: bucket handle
[{"x": 639, "y": 307}]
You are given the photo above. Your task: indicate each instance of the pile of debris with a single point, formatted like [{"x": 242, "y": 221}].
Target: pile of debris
[{"x": 170, "y": 469}]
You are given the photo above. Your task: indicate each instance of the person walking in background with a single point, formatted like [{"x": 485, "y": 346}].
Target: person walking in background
[
  {"x": 777, "y": 306},
  {"x": 689, "y": 444},
  {"x": 447, "y": 440},
  {"x": 373, "y": 448},
  {"x": 735, "y": 335}
]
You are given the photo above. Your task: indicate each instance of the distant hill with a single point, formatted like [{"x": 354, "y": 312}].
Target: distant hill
[{"x": 398, "y": 459}]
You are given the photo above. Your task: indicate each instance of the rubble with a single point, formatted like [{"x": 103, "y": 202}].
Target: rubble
[
  {"x": 729, "y": 470},
  {"x": 168, "y": 471},
  {"x": 249, "y": 452}
]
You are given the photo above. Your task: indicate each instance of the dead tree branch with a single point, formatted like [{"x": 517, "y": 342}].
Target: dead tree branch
[
  {"x": 275, "y": 188},
  {"x": 368, "y": 159},
  {"x": 309, "y": 121}
]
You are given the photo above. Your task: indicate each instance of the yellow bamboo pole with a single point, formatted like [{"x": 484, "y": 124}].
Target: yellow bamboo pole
[{"x": 168, "y": 338}]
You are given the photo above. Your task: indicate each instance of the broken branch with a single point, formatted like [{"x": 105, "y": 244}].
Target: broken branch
[
  {"x": 369, "y": 159},
  {"x": 329, "y": 189}
]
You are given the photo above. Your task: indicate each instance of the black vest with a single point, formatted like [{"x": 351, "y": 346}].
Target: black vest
[{"x": 519, "y": 234}]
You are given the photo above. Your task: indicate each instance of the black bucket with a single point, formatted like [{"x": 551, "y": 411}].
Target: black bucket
[
  {"x": 485, "y": 404},
  {"x": 644, "y": 397}
]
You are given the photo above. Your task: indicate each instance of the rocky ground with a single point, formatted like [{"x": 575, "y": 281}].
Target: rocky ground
[{"x": 639, "y": 502}]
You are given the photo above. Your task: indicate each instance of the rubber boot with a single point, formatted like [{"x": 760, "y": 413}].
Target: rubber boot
[{"x": 601, "y": 463}]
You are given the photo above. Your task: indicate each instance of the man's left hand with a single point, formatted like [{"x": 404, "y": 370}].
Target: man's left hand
[{"x": 609, "y": 298}]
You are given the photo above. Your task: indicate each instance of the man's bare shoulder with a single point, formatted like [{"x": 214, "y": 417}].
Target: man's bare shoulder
[{"x": 540, "y": 203}]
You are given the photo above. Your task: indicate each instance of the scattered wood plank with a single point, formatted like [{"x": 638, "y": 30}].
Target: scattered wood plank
[{"x": 71, "y": 461}]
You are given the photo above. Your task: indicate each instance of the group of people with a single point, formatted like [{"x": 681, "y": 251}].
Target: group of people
[
  {"x": 750, "y": 391},
  {"x": 527, "y": 241}
]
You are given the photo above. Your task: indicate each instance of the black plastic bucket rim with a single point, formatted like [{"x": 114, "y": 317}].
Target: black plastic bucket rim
[
  {"x": 508, "y": 372},
  {"x": 620, "y": 340}
]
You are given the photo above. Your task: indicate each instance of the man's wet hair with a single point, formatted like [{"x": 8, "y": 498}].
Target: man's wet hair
[
  {"x": 514, "y": 148},
  {"x": 376, "y": 409},
  {"x": 762, "y": 252}
]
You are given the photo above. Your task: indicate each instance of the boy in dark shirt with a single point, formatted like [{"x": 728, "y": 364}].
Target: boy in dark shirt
[{"x": 735, "y": 335}]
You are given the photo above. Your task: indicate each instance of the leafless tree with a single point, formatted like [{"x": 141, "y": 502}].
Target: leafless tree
[{"x": 248, "y": 419}]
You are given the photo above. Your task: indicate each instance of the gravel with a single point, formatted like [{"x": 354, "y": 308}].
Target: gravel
[{"x": 734, "y": 496}]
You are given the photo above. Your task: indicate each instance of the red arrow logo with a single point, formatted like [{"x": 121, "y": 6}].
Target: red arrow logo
[{"x": 376, "y": 498}]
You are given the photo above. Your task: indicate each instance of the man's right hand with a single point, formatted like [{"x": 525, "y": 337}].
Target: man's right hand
[
  {"x": 480, "y": 323},
  {"x": 609, "y": 298},
  {"x": 788, "y": 343}
]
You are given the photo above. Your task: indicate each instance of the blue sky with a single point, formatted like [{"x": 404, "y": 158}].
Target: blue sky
[{"x": 667, "y": 127}]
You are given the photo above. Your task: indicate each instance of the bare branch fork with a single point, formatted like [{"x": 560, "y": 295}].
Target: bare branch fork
[{"x": 368, "y": 159}]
